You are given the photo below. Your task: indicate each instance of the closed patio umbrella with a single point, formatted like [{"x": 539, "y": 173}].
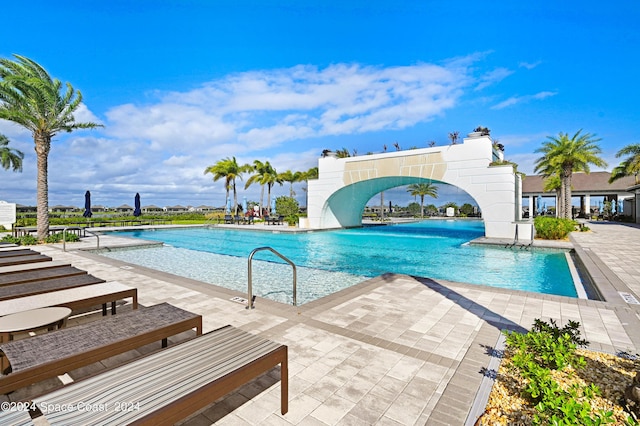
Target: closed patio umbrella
[
  {"x": 228, "y": 205},
  {"x": 539, "y": 204},
  {"x": 87, "y": 205},
  {"x": 620, "y": 206},
  {"x": 273, "y": 206},
  {"x": 244, "y": 204},
  {"x": 137, "y": 212}
]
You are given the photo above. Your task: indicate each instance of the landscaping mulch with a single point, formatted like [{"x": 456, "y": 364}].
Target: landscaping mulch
[{"x": 611, "y": 373}]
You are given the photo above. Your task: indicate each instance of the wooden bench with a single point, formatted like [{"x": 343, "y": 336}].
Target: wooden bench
[
  {"x": 47, "y": 355},
  {"x": 169, "y": 385},
  {"x": 75, "y": 298}
]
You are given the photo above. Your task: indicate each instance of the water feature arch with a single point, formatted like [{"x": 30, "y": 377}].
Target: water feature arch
[{"x": 344, "y": 185}]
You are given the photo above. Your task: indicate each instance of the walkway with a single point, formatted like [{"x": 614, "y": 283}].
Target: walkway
[{"x": 393, "y": 350}]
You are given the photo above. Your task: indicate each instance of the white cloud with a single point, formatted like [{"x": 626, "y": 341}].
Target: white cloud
[
  {"x": 493, "y": 77},
  {"x": 523, "y": 99},
  {"x": 529, "y": 65}
]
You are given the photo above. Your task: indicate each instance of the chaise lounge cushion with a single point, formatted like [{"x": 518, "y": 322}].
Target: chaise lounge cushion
[{"x": 52, "y": 346}]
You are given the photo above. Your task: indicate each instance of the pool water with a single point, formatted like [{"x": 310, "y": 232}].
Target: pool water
[{"x": 331, "y": 260}]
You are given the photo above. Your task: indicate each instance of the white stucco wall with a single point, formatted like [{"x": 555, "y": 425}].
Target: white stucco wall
[{"x": 338, "y": 197}]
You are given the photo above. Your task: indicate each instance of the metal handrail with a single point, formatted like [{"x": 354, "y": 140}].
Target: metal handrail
[
  {"x": 64, "y": 236},
  {"x": 250, "y": 276}
]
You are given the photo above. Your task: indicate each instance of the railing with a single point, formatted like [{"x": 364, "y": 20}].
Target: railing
[
  {"x": 250, "y": 276},
  {"x": 516, "y": 238},
  {"x": 64, "y": 236}
]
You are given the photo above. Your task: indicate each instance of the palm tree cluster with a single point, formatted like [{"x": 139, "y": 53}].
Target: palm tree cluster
[
  {"x": 262, "y": 173},
  {"x": 32, "y": 99},
  {"x": 564, "y": 155}
]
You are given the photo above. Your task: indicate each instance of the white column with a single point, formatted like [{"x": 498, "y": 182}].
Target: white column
[{"x": 587, "y": 202}]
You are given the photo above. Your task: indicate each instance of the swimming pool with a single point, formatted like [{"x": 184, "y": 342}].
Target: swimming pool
[{"x": 332, "y": 260}]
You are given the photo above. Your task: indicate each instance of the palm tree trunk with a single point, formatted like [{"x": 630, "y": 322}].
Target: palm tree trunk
[
  {"x": 422, "y": 207},
  {"x": 567, "y": 172},
  {"x": 235, "y": 199},
  {"x": 42, "y": 191},
  {"x": 261, "y": 199}
]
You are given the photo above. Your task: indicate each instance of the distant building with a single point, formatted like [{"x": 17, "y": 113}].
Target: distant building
[{"x": 584, "y": 186}]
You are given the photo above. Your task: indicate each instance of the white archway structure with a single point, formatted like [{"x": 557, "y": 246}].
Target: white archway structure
[{"x": 338, "y": 197}]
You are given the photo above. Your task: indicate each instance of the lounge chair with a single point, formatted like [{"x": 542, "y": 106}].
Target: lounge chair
[
  {"x": 11, "y": 291},
  {"x": 167, "y": 386},
  {"x": 20, "y": 260},
  {"x": 228, "y": 219},
  {"x": 277, "y": 220},
  {"x": 75, "y": 298},
  {"x": 47, "y": 355},
  {"x": 15, "y": 417},
  {"x": 30, "y": 272},
  {"x": 239, "y": 220},
  {"x": 15, "y": 251}
]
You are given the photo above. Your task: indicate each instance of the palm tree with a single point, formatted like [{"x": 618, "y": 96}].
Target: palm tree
[
  {"x": 630, "y": 166},
  {"x": 265, "y": 174},
  {"x": 230, "y": 170},
  {"x": 453, "y": 137},
  {"x": 262, "y": 172},
  {"x": 35, "y": 101},
  {"x": 566, "y": 155},
  {"x": 9, "y": 157},
  {"x": 343, "y": 153},
  {"x": 291, "y": 177},
  {"x": 422, "y": 190}
]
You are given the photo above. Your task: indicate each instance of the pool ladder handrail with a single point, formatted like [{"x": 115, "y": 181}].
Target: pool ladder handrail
[
  {"x": 77, "y": 228},
  {"x": 250, "y": 297}
]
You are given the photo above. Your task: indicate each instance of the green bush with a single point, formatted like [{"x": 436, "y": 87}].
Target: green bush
[
  {"x": 289, "y": 208},
  {"x": 57, "y": 238},
  {"x": 10, "y": 239},
  {"x": 28, "y": 240},
  {"x": 548, "y": 347},
  {"x": 552, "y": 228}
]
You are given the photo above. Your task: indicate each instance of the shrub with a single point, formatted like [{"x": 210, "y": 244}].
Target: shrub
[
  {"x": 10, "y": 239},
  {"x": 552, "y": 228},
  {"x": 57, "y": 238},
  {"x": 548, "y": 347},
  {"x": 289, "y": 208},
  {"x": 28, "y": 240}
]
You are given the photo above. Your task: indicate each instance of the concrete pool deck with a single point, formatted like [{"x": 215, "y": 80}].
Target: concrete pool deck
[{"x": 394, "y": 350}]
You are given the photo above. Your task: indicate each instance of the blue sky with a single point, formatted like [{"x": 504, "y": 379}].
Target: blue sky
[{"x": 181, "y": 84}]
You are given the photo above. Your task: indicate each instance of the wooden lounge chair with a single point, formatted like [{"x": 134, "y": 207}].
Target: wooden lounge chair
[
  {"x": 20, "y": 260},
  {"x": 16, "y": 251},
  {"x": 228, "y": 219},
  {"x": 11, "y": 291},
  {"x": 47, "y": 271},
  {"x": 167, "y": 386},
  {"x": 47, "y": 355},
  {"x": 15, "y": 418},
  {"x": 75, "y": 298}
]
